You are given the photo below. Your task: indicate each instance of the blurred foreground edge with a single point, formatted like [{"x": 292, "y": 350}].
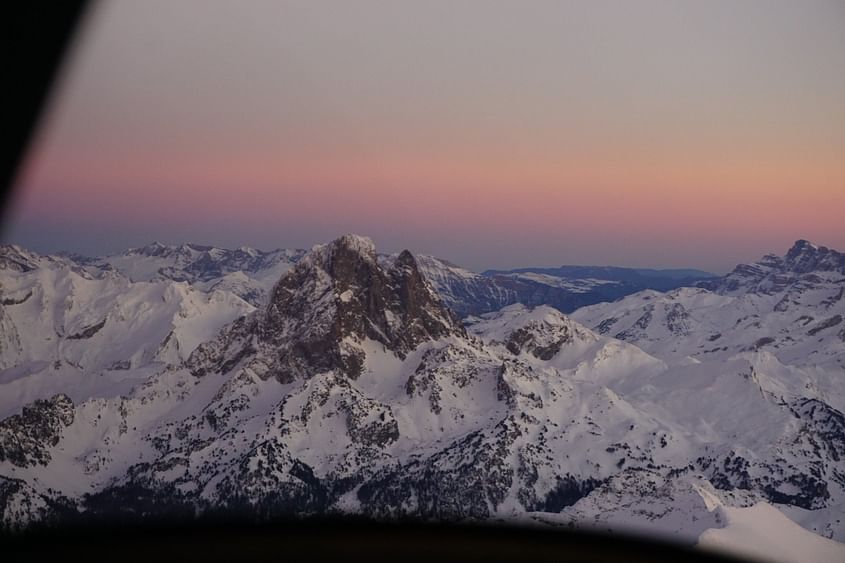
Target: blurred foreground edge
[{"x": 334, "y": 539}]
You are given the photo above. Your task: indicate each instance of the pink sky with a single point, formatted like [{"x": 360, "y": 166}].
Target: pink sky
[{"x": 670, "y": 134}]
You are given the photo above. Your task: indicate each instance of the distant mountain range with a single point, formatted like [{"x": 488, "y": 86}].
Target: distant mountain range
[
  {"x": 250, "y": 273},
  {"x": 565, "y": 288},
  {"x": 184, "y": 380}
]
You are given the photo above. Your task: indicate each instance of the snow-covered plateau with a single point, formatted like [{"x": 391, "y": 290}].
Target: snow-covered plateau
[{"x": 194, "y": 380}]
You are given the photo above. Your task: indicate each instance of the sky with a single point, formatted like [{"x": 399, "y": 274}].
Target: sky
[{"x": 493, "y": 134}]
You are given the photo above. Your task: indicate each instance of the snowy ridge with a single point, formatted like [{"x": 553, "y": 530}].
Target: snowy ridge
[{"x": 246, "y": 272}]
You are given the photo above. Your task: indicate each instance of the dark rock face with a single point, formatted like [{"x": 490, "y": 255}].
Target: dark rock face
[
  {"x": 567, "y": 492},
  {"x": 606, "y": 325},
  {"x": 337, "y": 293},
  {"x": 88, "y": 332},
  {"x": 26, "y": 438},
  {"x": 7, "y": 301},
  {"x": 826, "y": 428},
  {"x": 639, "y": 326},
  {"x": 677, "y": 319},
  {"x": 760, "y": 342},
  {"x": 525, "y": 339},
  {"x": 394, "y": 307},
  {"x": 825, "y": 324}
]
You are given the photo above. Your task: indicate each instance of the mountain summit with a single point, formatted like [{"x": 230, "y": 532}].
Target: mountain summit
[
  {"x": 804, "y": 264},
  {"x": 336, "y": 297},
  {"x": 805, "y": 256}
]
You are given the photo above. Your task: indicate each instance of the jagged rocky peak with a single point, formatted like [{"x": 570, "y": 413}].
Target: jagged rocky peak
[
  {"x": 391, "y": 304},
  {"x": 805, "y": 256},
  {"x": 773, "y": 274},
  {"x": 322, "y": 310}
]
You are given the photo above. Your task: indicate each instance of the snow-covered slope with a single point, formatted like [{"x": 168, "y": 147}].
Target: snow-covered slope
[
  {"x": 791, "y": 308},
  {"x": 777, "y": 322},
  {"x": 762, "y": 533},
  {"x": 65, "y": 329},
  {"x": 246, "y": 272},
  {"x": 355, "y": 389}
]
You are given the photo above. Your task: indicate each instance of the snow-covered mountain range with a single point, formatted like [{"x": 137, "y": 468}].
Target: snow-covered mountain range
[
  {"x": 787, "y": 308},
  {"x": 246, "y": 272},
  {"x": 342, "y": 381},
  {"x": 251, "y": 273}
]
